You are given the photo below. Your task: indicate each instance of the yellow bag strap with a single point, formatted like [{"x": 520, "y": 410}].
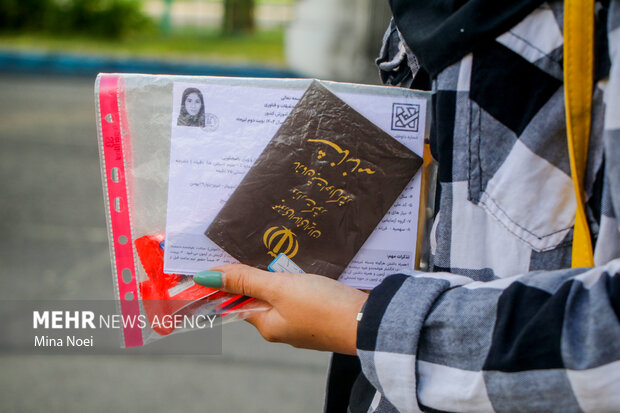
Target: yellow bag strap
[{"x": 578, "y": 86}]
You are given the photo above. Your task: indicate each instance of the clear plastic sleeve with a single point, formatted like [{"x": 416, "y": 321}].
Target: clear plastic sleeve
[{"x": 136, "y": 119}]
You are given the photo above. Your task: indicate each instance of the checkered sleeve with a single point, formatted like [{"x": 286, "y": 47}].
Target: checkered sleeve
[
  {"x": 516, "y": 334},
  {"x": 611, "y": 135},
  {"x": 544, "y": 341}
]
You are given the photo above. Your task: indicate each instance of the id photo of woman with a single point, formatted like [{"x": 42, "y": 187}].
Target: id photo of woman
[{"x": 192, "y": 109}]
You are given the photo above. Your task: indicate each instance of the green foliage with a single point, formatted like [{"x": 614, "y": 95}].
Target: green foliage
[
  {"x": 18, "y": 15},
  {"x": 112, "y": 19}
]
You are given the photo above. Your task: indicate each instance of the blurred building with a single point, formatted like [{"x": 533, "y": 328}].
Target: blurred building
[
  {"x": 337, "y": 39},
  {"x": 327, "y": 39},
  {"x": 208, "y": 13}
]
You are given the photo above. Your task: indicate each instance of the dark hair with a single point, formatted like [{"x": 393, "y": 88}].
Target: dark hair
[{"x": 185, "y": 119}]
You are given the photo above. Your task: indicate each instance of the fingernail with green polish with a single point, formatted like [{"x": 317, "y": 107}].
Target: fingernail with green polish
[{"x": 211, "y": 279}]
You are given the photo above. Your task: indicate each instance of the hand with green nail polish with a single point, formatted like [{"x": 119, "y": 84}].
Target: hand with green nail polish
[
  {"x": 304, "y": 310},
  {"x": 211, "y": 279}
]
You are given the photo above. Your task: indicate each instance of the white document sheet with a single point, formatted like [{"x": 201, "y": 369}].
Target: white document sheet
[{"x": 210, "y": 154}]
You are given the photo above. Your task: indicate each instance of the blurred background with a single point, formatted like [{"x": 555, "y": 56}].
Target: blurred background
[{"x": 54, "y": 239}]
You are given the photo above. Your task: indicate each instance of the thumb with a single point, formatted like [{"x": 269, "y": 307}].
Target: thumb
[{"x": 240, "y": 279}]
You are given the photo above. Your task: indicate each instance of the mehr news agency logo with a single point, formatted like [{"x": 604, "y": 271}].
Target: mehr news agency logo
[{"x": 59, "y": 320}]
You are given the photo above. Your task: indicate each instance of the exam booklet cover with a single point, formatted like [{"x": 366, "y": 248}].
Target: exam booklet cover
[{"x": 317, "y": 191}]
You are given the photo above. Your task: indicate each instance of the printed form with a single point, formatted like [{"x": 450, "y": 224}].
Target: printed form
[{"x": 217, "y": 133}]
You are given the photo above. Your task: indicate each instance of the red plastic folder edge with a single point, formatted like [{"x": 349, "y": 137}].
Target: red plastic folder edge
[{"x": 114, "y": 149}]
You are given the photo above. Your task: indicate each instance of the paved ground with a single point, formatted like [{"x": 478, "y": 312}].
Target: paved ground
[{"x": 53, "y": 245}]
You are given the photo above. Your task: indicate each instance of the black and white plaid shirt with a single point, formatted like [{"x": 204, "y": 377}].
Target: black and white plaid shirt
[{"x": 504, "y": 324}]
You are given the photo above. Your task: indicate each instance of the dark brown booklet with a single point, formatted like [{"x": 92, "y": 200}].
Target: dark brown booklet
[{"x": 317, "y": 191}]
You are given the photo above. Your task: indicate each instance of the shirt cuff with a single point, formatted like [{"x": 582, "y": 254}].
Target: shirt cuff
[{"x": 389, "y": 331}]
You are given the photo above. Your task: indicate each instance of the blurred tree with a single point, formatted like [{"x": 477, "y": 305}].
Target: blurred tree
[
  {"x": 238, "y": 16},
  {"x": 104, "y": 18},
  {"x": 18, "y": 15}
]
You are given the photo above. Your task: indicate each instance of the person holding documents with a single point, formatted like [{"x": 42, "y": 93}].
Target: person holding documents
[{"x": 502, "y": 323}]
